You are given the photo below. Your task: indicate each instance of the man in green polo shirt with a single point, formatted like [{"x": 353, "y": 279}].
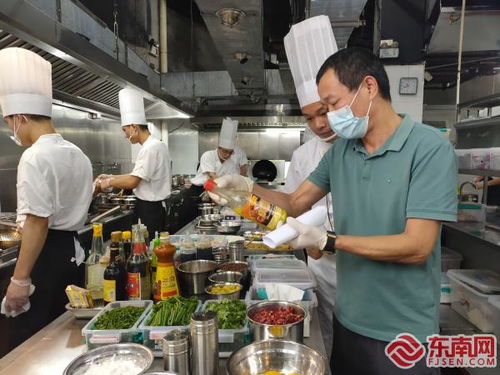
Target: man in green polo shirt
[{"x": 393, "y": 182}]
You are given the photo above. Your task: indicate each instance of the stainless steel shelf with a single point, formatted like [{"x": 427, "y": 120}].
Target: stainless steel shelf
[
  {"x": 485, "y": 101},
  {"x": 481, "y": 172},
  {"x": 486, "y": 121}
]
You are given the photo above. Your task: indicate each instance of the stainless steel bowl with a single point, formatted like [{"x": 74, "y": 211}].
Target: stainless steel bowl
[
  {"x": 140, "y": 354},
  {"x": 193, "y": 276},
  {"x": 236, "y": 265},
  {"x": 283, "y": 356},
  {"x": 232, "y": 295},
  {"x": 226, "y": 276},
  {"x": 229, "y": 226},
  {"x": 293, "y": 331}
]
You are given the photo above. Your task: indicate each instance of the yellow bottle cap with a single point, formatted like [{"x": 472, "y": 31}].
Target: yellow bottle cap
[
  {"x": 127, "y": 235},
  {"x": 97, "y": 229}
]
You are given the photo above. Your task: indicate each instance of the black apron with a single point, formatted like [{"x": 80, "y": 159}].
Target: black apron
[
  {"x": 152, "y": 215},
  {"x": 52, "y": 272}
]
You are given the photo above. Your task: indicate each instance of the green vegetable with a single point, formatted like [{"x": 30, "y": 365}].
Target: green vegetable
[
  {"x": 119, "y": 318},
  {"x": 231, "y": 314},
  {"x": 175, "y": 311}
]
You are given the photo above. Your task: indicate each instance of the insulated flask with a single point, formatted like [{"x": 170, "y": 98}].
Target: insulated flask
[{"x": 204, "y": 343}]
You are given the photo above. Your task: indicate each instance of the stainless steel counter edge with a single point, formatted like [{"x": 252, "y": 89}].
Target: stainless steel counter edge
[{"x": 55, "y": 346}]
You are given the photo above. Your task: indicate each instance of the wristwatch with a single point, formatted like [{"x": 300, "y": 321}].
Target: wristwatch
[{"x": 329, "y": 247}]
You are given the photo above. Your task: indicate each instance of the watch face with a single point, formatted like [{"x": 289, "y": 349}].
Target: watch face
[{"x": 408, "y": 85}]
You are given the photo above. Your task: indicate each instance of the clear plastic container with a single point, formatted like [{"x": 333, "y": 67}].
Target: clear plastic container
[
  {"x": 464, "y": 158},
  {"x": 450, "y": 259},
  {"x": 494, "y": 301},
  {"x": 495, "y": 158},
  {"x": 302, "y": 279},
  {"x": 470, "y": 298},
  {"x": 153, "y": 335},
  {"x": 480, "y": 158},
  {"x": 97, "y": 337},
  {"x": 282, "y": 264},
  {"x": 255, "y": 295},
  {"x": 474, "y": 214},
  {"x": 228, "y": 335}
]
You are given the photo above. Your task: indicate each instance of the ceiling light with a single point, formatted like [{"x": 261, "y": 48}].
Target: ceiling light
[{"x": 230, "y": 16}]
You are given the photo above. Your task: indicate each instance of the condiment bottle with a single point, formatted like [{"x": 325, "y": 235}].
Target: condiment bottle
[
  {"x": 138, "y": 272},
  {"x": 166, "y": 282}
]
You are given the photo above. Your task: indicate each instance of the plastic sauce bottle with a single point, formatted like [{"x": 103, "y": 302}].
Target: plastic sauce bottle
[
  {"x": 250, "y": 206},
  {"x": 165, "y": 273}
]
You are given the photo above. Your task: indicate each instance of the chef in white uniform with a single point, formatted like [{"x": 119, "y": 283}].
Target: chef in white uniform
[
  {"x": 226, "y": 159},
  {"x": 151, "y": 178},
  {"x": 54, "y": 191},
  {"x": 307, "y": 45}
]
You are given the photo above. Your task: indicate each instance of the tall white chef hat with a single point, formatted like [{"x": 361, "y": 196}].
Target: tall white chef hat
[
  {"x": 132, "y": 107},
  {"x": 308, "y": 44},
  {"x": 228, "y": 132},
  {"x": 25, "y": 83}
]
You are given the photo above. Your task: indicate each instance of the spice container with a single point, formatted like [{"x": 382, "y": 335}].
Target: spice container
[
  {"x": 203, "y": 333},
  {"x": 236, "y": 250},
  {"x": 176, "y": 352}
]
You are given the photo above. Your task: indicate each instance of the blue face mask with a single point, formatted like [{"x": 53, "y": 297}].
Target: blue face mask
[{"x": 345, "y": 124}]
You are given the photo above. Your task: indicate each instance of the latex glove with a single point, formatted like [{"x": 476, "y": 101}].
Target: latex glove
[
  {"x": 231, "y": 182},
  {"x": 309, "y": 236},
  {"x": 17, "y": 297},
  {"x": 314, "y": 253},
  {"x": 103, "y": 176},
  {"x": 105, "y": 184}
]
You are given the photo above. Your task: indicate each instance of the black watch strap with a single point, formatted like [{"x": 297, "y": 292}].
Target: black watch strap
[{"x": 331, "y": 238}]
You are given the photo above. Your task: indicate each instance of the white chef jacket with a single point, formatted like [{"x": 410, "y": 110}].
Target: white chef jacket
[
  {"x": 239, "y": 156},
  {"x": 152, "y": 166},
  {"x": 210, "y": 162},
  {"x": 305, "y": 159},
  {"x": 54, "y": 180}
]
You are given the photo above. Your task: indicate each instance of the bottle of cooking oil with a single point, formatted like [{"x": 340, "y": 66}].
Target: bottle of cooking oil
[
  {"x": 250, "y": 206},
  {"x": 94, "y": 265}
]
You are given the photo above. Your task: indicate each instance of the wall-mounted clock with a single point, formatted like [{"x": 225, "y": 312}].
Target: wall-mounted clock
[{"x": 408, "y": 85}]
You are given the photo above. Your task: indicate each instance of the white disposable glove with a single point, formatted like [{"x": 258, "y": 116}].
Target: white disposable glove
[
  {"x": 16, "y": 300},
  {"x": 309, "y": 236},
  {"x": 231, "y": 182}
]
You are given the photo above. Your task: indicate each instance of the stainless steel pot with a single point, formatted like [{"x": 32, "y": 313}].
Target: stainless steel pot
[
  {"x": 259, "y": 331},
  {"x": 193, "y": 276},
  {"x": 206, "y": 208}
]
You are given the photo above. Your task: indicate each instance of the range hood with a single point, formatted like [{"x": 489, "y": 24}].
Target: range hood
[{"x": 83, "y": 74}]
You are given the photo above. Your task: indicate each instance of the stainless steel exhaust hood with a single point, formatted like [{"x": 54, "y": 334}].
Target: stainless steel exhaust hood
[{"x": 83, "y": 74}]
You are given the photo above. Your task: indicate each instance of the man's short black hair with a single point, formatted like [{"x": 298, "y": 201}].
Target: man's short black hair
[
  {"x": 143, "y": 127},
  {"x": 353, "y": 64}
]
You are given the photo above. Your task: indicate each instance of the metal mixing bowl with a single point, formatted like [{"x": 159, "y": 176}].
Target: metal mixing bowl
[
  {"x": 139, "y": 353},
  {"x": 226, "y": 276},
  {"x": 260, "y": 331},
  {"x": 232, "y": 295},
  {"x": 193, "y": 276},
  {"x": 283, "y": 356}
]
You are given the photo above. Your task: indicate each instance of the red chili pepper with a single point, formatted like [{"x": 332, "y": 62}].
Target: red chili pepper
[{"x": 281, "y": 316}]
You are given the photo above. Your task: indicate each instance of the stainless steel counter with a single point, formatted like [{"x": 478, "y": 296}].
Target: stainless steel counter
[{"x": 49, "y": 351}]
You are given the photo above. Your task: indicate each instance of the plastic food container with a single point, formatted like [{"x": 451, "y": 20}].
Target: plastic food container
[
  {"x": 302, "y": 279},
  {"x": 450, "y": 260},
  {"x": 494, "y": 301},
  {"x": 480, "y": 158},
  {"x": 495, "y": 158},
  {"x": 283, "y": 264},
  {"x": 470, "y": 290},
  {"x": 98, "y": 337},
  {"x": 464, "y": 159},
  {"x": 153, "y": 335}
]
